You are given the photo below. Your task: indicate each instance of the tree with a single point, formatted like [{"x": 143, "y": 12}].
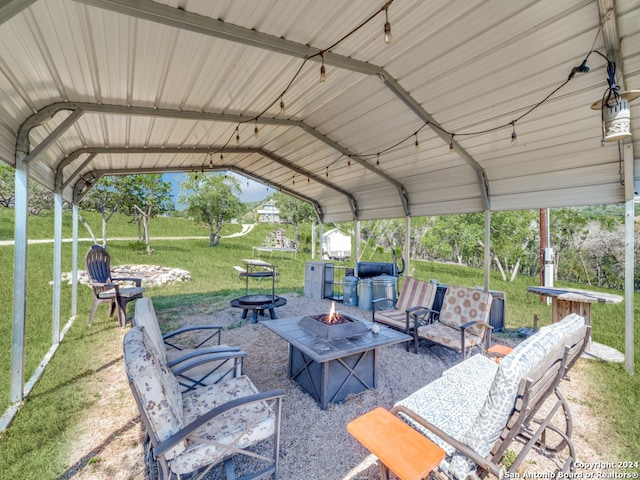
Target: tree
[
  {"x": 294, "y": 210},
  {"x": 144, "y": 197},
  {"x": 211, "y": 200},
  {"x": 7, "y": 185},
  {"x": 105, "y": 198},
  {"x": 39, "y": 197}
]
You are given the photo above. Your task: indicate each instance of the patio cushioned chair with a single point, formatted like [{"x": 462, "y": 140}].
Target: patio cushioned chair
[
  {"x": 463, "y": 321},
  {"x": 107, "y": 289},
  {"x": 414, "y": 302},
  {"x": 191, "y": 432},
  {"x": 205, "y": 362},
  {"x": 478, "y": 408}
]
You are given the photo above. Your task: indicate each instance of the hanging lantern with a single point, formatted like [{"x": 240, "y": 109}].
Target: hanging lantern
[{"x": 616, "y": 116}]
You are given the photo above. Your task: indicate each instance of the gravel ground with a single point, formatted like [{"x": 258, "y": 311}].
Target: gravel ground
[{"x": 315, "y": 444}]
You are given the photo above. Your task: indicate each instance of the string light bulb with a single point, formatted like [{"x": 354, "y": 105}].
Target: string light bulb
[
  {"x": 282, "y": 109},
  {"x": 323, "y": 71},
  {"x": 349, "y": 162},
  {"x": 451, "y": 149},
  {"x": 326, "y": 174},
  {"x": 210, "y": 161},
  {"x": 221, "y": 157},
  {"x": 387, "y": 27},
  {"x": 378, "y": 160},
  {"x": 514, "y": 135},
  {"x": 256, "y": 133},
  {"x": 237, "y": 136},
  {"x": 417, "y": 143},
  {"x": 308, "y": 180}
]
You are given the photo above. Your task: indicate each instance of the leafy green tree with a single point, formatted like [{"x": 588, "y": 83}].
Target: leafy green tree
[
  {"x": 39, "y": 197},
  {"x": 104, "y": 198},
  {"x": 294, "y": 210},
  {"x": 211, "y": 199},
  {"x": 144, "y": 197},
  {"x": 7, "y": 185}
]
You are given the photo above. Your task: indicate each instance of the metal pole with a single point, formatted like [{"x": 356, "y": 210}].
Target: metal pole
[
  {"x": 629, "y": 244},
  {"x": 74, "y": 262},
  {"x": 57, "y": 267},
  {"x": 487, "y": 250},
  {"x": 407, "y": 246},
  {"x": 19, "y": 278},
  {"x": 357, "y": 255},
  {"x": 628, "y": 284}
]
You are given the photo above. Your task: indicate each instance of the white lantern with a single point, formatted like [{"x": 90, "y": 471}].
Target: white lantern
[{"x": 616, "y": 116}]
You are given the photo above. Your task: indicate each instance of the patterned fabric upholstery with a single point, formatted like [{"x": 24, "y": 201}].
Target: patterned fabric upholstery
[
  {"x": 447, "y": 336},
  {"x": 240, "y": 427},
  {"x": 453, "y": 401},
  {"x": 145, "y": 316},
  {"x": 463, "y": 305},
  {"x": 156, "y": 386},
  {"x": 168, "y": 411},
  {"x": 473, "y": 400},
  {"x": 414, "y": 293},
  {"x": 460, "y": 305},
  {"x": 497, "y": 408}
]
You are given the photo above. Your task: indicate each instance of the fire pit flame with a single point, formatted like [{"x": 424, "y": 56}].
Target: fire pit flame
[{"x": 333, "y": 315}]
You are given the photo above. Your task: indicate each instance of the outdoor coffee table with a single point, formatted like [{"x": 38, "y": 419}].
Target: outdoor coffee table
[{"x": 330, "y": 370}]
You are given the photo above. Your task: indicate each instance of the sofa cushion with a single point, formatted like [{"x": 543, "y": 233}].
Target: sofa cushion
[
  {"x": 394, "y": 318},
  {"x": 498, "y": 406},
  {"x": 449, "y": 337},
  {"x": 239, "y": 427},
  {"x": 145, "y": 316},
  {"x": 416, "y": 293},
  {"x": 453, "y": 401},
  {"x": 463, "y": 305},
  {"x": 156, "y": 386}
]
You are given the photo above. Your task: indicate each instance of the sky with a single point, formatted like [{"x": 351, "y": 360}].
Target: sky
[{"x": 252, "y": 191}]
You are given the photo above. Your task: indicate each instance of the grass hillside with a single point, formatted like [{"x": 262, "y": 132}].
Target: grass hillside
[{"x": 56, "y": 403}]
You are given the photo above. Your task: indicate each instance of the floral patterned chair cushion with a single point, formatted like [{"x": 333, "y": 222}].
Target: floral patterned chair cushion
[
  {"x": 235, "y": 429},
  {"x": 156, "y": 386}
]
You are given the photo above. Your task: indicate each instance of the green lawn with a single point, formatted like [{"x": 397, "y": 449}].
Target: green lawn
[{"x": 33, "y": 445}]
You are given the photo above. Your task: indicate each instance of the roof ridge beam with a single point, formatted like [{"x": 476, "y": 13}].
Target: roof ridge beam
[
  {"x": 97, "y": 174},
  {"x": 93, "y": 151}
]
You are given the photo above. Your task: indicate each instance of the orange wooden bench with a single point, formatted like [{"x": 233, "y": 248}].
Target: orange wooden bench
[{"x": 398, "y": 447}]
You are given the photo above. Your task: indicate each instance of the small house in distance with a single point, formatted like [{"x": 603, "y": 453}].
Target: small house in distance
[
  {"x": 336, "y": 245},
  {"x": 269, "y": 213}
]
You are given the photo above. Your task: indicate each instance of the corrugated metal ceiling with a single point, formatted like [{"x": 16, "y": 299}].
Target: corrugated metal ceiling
[{"x": 164, "y": 85}]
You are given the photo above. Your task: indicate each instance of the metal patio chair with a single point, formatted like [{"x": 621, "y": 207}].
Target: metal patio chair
[{"x": 108, "y": 289}]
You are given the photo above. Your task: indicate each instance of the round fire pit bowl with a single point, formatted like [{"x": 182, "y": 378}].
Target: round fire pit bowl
[{"x": 257, "y": 304}]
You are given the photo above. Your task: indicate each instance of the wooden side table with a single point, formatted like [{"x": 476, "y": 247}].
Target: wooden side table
[{"x": 398, "y": 447}]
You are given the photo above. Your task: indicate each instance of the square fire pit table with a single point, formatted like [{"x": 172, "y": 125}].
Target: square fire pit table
[{"x": 331, "y": 369}]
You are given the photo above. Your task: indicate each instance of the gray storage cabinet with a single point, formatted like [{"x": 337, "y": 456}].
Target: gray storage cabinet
[{"x": 314, "y": 279}]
